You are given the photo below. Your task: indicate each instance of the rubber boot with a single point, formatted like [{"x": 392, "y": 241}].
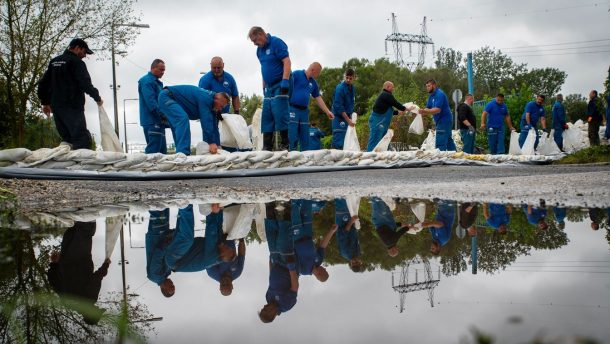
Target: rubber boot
[
  {"x": 268, "y": 141},
  {"x": 285, "y": 142}
]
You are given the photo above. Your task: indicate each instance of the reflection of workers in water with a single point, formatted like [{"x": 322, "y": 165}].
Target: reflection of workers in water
[
  {"x": 498, "y": 216},
  {"x": 468, "y": 217},
  {"x": 179, "y": 250},
  {"x": 347, "y": 235},
  {"x": 309, "y": 256},
  {"x": 440, "y": 227},
  {"x": 283, "y": 287},
  {"x": 71, "y": 272},
  {"x": 388, "y": 229}
]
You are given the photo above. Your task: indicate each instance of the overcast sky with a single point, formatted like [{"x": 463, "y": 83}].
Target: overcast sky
[{"x": 187, "y": 34}]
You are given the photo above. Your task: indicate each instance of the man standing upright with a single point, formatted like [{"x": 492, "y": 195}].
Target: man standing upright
[
  {"x": 559, "y": 121},
  {"x": 533, "y": 112},
  {"x": 467, "y": 124},
  {"x": 594, "y": 117},
  {"x": 498, "y": 114},
  {"x": 272, "y": 53},
  {"x": 438, "y": 107},
  {"x": 218, "y": 80},
  {"x": 343, "y": 106},
  {"x": 304, "y": 85},
  {"x": 151, "y": 119},
  {"x": 62, "y": 91}
]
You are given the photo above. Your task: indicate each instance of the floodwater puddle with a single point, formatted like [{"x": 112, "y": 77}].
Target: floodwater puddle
[{"x": 300, "y": 270}]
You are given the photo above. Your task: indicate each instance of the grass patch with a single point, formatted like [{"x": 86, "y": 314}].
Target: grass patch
[{"x": 587, "y": 156}]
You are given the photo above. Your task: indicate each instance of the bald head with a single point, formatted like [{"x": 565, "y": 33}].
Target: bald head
[
  {"x": 388, "y": 86},
  {"x": 217, "y": 66},
  {"x": 314, "y": 70}
]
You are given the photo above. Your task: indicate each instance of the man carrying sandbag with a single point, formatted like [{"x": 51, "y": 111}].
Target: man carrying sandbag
[
  {"x": 559, "y": 121},
  {"x": 187, "y": 102},
  {"x": 343, "y": 106},
  {"x": 62, "y": 91},
  {"x": 494, "y": 125},
  {"x": 381, "y": 117},
  {"x": 534, "y": 111}
]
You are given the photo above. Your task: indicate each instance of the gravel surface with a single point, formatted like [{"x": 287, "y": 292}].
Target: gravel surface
[{"x": 582, "y": 185}]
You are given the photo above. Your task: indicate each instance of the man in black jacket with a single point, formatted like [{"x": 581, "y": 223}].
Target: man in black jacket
[
  {"x": 594, "y": 117},
  {"x": 467, "y": 124},
  {"x": 62, "y": 91}
]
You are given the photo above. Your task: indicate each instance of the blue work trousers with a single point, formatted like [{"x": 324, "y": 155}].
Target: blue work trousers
[
  {"x": 467, "y": 140},
  {"x": 339, "y": 129},
  {"x": 558, "y": 137},
  {"x": 298, "y": 129},
  {"x": 183, "y": 236},
  {"x": 495, "y": 140},
  {"x": 378, "y": 125},
  {"x": 607, "y": 132},
  {"x": 275, "y": 110},
  {"x": 155, "y": 139},
  {"x": 179, "y": 120},
  {"x": 444, "y": 141}
]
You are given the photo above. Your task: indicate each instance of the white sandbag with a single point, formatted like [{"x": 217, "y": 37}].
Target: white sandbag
[
  {"x": 260, "y": 156},
  {"x": 242, "y": 223},
  {"x": 419, "y": 209},
  {"x": 415, "y": 108},
  {"x": 530, "y": 142},
  {"x": 430, "y": 141},
  {"x": 234, "y": 132},
  {"x": 513, "y": 147},
  {"x": 257, "y": 135},
  {"x": 353, "y": 206},
  {"x": 113, "y": 229},
  {"x": 417, "y": 126},
  {"x": 573, "y": 138},
  {"x": 106, "y": 157},
  {"x": 547, "y": 145},
  {"x": 382, "y": 146},
  {"x": 202, "y": 148},
  {"x": 14, "y": 154},
  {"x": 390, "y": 202},
  {"x": 77, "y": 155},
  {"x": 350, "y": 142},
  {"x": 110, "y": 141},
  {"x": 57, "y": 165},
  {"x": 132, "y": 159},
  {"x": 42, "y": 155}
]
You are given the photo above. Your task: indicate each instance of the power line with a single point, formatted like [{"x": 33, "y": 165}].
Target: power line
[
  {"x": 561, "y": 271},
  {"x": 556, "y": 49},
  {"x": 575, "y": 53},
  {"x": 547, "y": 10},
  {"x": 554, "y": 44},
  {"x": 562, "y": 261}
]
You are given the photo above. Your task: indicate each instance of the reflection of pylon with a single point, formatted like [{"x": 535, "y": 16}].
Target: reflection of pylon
[{"x": 412, "y": 280}]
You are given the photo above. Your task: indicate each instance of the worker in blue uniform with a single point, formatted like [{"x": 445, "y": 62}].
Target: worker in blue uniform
[
  {"x": 309, "y": 256},
  {"x": 158, "y": 237},
  {"x": 438, "y": 107},
  {"x": 151, "y": 119},
  {"x": 218, "y": 80},
  {"x": 560, "y": 216},
  {"x": 186, "y": 102},
  {"x": 383, "y": 112},
  {"x": 388, "y": 229},
  {"x": 440, "y": 227},
  {"x": 497, "y": 216},
  {"x": 536, "y": 215},
  {"x": 347, "y": 235},
  {"x": 273, "y": 56},
  {"x": 315, "y": 136},
  {"x": 303, "y": 86},
  {"x": 559, "y": 121},
  {"x": 283, "y": 287},
  {"x": 494, "y": 125},
  {"x": 344, "y": 99},
  {"x": 607, "y": 132},
  {"x": 534, "y": 112}
]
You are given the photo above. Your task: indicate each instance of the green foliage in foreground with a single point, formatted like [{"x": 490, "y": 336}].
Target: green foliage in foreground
[{"x": 587, "y": 155}]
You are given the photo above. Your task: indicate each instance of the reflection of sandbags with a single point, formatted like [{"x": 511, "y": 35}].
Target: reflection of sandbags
[
  {"x": 547, "y": 145},
  {"x": 417, "y": 126},
  {"x": 259, "y": 217},
  {"x": 350, "y": 142},
  {"x": 110, "y": 142},
  {"x": 14, "y": 154},
  {"x": 419, "y": 209},
  {"x": 514, "y": 148},
  {"x": 257, "y": 135},
  {"x": 113, "y": 229},
  {"x": 353, "y": 205},
  {"x": 389, "y": 201},
  {"x": 240, "y": 222},
  {"x": 382, "y": 146},
  {"x": 530, "y": 142},
  {"x": 430, "y": 141},
  {"x": 234, "y": 132}
]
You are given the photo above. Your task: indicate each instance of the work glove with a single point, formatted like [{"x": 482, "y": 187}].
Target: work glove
[
  {"x": 164, "y": 120},
  {"x": 547, "y": 130},
  {"x": 471, "y": 130},
  {"x": 565, "y": 126},
  {"x": 284, "y": 87}
]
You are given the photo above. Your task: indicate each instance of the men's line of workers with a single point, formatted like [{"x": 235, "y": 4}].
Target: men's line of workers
[{"x": 285, "y": 105}]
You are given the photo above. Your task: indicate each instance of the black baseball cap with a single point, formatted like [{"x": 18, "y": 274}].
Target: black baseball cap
[{"x": 77, "y": 42}]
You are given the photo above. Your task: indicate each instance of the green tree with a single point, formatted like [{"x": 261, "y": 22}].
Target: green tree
[
  {"x": 449, "y": 58},
  {"x": 547, "y": 81},
  {"x": 494, "y": 70},
  {"x": 249, "y": 104},
  {"x": 576, "y": 107},
  {"x": 33, "y": 31}
]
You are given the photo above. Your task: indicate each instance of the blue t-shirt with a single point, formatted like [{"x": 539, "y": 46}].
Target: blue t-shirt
[
  {"x": 279, "y": 288},
  {"x": 560, "y": 214},
  {"x": 438, "y": 99},
  {"x": 496, "y": 113},
  {"x": 270, "y": 57},
  {"x": 315, "y": 135},
  {"x": 559, "y": 115},
  {"x": 497, "y": 215},
  {"x": 226, "y": 83},
  {"x": 536, "y": 215},
  {"x": 445, "y": 214},
  {"x": 149, "y": 87},
  {"x": 536, "y": 112},
  {"x": 302, "y": 88},
  {"x": 343, "y": 101}
]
